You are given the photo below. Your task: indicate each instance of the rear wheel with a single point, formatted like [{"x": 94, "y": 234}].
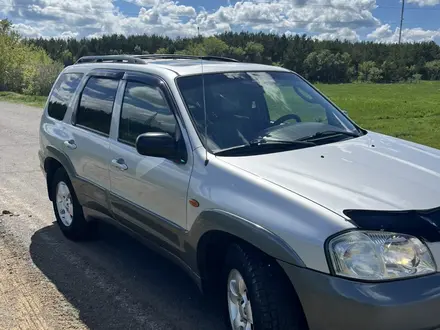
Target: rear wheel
[
  {"x": 259, "y": 297},
  {"x": 68, "y": 211}
]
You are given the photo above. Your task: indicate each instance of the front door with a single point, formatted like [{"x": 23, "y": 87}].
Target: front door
[{"x": 147, "y": 192}]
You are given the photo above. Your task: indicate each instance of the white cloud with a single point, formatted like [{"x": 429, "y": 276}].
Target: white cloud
[
  {"x": 325, "y": 19},
  {"x": 27, "y": 30},
  {"x": 68, "y": 35},
  {"x": 316, "y": 15},
  {"x": 423, "y": 3},
  {"x": 32, "y": 30},
  {"x": 382, "y": 32},
  {"x": 341, "y": 34},
  {"x": 53, "y": 17},
  {"x": 385, "y": 34},
  {"x": 165, "y": 13},
  {"x": 6, "y": 6},
  {"x": 145, "y": 3}
]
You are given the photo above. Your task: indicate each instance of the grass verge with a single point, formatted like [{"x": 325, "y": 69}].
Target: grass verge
[{"x": 35, "y": 101}]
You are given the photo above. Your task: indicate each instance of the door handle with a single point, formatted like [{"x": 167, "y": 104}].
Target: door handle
[
  {"x": 70, "y": 144},
  {"x": 120, "y": 164}
]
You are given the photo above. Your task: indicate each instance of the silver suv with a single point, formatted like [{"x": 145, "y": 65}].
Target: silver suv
[{"x": 267, "y": 194}]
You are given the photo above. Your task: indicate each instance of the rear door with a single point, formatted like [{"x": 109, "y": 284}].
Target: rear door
[
  {"x": 148, "y": 193},
  {"x": 88, "y": 145}
]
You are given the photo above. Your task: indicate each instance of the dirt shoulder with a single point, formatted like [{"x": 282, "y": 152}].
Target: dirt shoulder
[{"x": 27, "y": 299}]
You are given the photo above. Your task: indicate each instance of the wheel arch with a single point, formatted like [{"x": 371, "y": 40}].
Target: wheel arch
[
  {"x": 54, "y": 160},
  {"x": 51, "y": 165},
  {"x": 213, "y": 230}
]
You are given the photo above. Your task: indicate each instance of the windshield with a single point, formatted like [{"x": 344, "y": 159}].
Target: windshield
[{"x": 245, "y": 108}]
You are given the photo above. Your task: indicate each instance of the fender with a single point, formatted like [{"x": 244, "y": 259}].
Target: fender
[
  {"x": 258, "y": 236},
  {"x": 62, "y": 159},
  {"x": 51, "y": 152}
]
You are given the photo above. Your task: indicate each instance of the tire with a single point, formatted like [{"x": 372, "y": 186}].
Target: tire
[
  {"x": 73, "y": 227},
  {"x": 274, "y": 304}
]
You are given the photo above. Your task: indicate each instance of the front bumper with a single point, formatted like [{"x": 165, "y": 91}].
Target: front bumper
[{"x": 331, "y": 302}]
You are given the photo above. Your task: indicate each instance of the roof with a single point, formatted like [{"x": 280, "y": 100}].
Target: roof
[
  {"x": 181, "y": 65},
  {"x": 191, "y": 67}
]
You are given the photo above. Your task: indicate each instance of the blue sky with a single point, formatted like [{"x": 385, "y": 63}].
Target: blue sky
[{"x": 375, "y": 20}]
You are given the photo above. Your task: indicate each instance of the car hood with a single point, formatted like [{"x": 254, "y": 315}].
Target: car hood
[{"x": 373, "y": 172}]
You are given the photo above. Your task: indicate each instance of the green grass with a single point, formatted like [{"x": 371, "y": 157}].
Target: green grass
[
  {"x": 407, "y": 111},
  {"x": 36, "y": 101}
]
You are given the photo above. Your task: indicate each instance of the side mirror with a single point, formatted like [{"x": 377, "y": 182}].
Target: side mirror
[{"x": 157, "y": 144}]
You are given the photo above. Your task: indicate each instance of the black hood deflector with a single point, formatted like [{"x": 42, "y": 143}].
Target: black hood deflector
[{"x": 424, "y": 224}]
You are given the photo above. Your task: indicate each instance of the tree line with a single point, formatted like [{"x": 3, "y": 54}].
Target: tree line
[
  {"x": 320, "y": 61},
  {"x": 31, "y": 65}
]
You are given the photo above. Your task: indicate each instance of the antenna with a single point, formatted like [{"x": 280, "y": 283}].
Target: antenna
[{"x": 205, "y": 114}]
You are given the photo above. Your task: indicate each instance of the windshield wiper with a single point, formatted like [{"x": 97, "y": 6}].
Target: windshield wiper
[
  {"x": 327, "y": 134},
  {"x": 262, "y": 145}
]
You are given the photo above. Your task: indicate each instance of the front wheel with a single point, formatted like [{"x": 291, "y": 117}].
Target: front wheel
[{"x": 258, "y": 296}]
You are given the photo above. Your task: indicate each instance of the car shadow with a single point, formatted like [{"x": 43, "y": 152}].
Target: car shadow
[{"x": 116, "y": 282}]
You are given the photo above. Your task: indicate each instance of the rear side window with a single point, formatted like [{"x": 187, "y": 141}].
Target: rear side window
[
  {"x": 144, "y": 109},
  {"x": 96, "y": 104},
  {"x": 62, "y": 94}
]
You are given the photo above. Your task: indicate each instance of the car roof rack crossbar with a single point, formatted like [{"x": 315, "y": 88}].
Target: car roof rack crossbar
[
  {"x": 185, "y": 57},
  {"x": 110, "y": 59}
]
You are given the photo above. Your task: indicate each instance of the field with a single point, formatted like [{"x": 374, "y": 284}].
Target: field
[{"x": 407, "y": 111}]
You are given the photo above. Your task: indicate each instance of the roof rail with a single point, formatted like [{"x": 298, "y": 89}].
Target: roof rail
[
  {"x": 184, "y": 57},
  {"x": 110, "y": 59},
  {"x": 139, "y": 59}
]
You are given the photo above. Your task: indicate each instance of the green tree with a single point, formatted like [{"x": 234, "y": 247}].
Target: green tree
[
  {"x": 5, "y": 26},
  {"x": 390, "y": 71},
  {"x": 193, "y": 49},
  {"x": 327, "y": 67},
  {"x": 369, "y": 72},
  {"x": 237, "y": 52},
  {"x": 215, "y": 47},
  {"x": 137, "y": 50},
  {"x": 162, "y": 51},
  {"x": 416, "y": 78},
  {"x": 296, "y": 52},
  {"x": 67, "y": 58},
  {"x": 83, "y": 51},
  {"x": 254, "y": 52},
  {"x": 336, "y": 60},
  {"x": 433, "y": 70},
  {"x": 24, "y": 68}
]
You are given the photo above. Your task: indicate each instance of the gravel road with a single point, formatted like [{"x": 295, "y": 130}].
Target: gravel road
[{"x": 47, "y": 282}]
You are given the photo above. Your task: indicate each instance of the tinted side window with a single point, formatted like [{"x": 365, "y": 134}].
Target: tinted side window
[
  {"x": 62, "y": 94},
  {"x": 144, "y": 109},
  {"x": 96, "y": 104}
]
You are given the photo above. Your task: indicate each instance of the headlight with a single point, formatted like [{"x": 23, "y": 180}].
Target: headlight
[{"x": 376, "y": 256}]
